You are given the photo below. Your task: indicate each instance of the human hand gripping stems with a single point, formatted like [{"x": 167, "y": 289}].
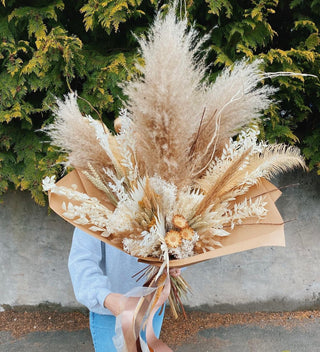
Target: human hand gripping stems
[
  {"x": 117, "y": 302},
  {"x": 135, "y": 313}
]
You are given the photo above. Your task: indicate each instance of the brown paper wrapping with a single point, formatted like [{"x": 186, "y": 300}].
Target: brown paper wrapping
[{"x": 249, "y": 235}]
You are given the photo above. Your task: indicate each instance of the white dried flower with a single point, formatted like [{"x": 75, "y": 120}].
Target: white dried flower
[{"x": 48, "y": 183}]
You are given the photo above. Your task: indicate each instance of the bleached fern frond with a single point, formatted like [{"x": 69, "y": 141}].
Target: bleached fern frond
[{"x": 276, "y": 158}]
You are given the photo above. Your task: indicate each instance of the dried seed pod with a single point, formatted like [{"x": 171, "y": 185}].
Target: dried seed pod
[
  {"x": 187, "y": 233},
  {"x": 173, "y": 239},
  {"x": 180, "y": 221}
]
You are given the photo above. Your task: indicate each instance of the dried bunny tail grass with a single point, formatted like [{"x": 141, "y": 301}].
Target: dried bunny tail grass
[
  {"x": 74, "y": 134},
  {"x": 165, "y": 103},
  {"x": 231, "y": 102}
]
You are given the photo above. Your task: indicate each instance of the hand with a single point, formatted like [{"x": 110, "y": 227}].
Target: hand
[{"x": 116, "y": 303}]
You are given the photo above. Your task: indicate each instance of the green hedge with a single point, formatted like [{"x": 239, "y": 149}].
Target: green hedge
[{"x": 49, "y": 47}]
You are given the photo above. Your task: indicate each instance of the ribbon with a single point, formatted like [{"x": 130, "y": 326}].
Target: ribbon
[
  {"x": 140, "y": 306},
  {"x": 155, "y": 344}
]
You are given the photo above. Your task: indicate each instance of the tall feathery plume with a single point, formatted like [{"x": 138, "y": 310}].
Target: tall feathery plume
[
  {"x": 177, "y": 115},
  {"x": 164, "y": 102},
  {"x": 76, "y": 136},
  {"x": 233, "y": 101},
  {"x": 275, "y": 159}
]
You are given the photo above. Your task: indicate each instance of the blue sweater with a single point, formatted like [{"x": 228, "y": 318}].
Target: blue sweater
[{"x": 93, "y": 280}]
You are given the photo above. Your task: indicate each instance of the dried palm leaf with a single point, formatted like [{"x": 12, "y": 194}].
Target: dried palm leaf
[{"x": 221, "y": 185}]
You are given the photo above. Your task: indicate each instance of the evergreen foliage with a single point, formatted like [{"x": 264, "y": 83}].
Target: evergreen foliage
[{"x": 50, "y": 47}]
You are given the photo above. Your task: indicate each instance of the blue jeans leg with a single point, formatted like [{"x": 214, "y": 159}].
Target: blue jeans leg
[{"x": 102, "y": 330}]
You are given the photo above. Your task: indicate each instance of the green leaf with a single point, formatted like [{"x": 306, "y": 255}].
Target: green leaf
[
  {"x": 313, "y": 41},
  {"x": 295, "y": 3},
  {"x": 310, "y": 25},
  {"x": 217, "y": 6}
]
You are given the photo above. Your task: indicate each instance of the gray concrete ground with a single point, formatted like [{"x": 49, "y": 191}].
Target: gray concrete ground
[
  {"x": 246, "y": 338},
  {"x": 52, "y": 341},
  {"x": 239, "y": 338}
]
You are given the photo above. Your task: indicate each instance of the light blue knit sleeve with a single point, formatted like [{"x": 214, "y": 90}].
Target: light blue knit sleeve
[{"x": 90, "y": 285}]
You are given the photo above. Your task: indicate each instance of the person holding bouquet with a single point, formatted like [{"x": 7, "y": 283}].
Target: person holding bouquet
[{"x": 101, "y": 274}]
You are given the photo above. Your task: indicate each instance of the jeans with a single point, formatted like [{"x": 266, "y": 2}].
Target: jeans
[{"x": 102, "y": 330}]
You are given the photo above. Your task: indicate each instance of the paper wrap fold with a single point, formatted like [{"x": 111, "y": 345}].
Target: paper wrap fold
[{"x": 248, "y": 235}]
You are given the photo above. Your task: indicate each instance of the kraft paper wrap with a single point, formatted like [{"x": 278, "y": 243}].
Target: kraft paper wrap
[{"x": 249, "y": 235}]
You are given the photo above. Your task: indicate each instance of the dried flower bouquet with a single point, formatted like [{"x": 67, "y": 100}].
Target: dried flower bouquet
[{"x": 174, "y": 184}]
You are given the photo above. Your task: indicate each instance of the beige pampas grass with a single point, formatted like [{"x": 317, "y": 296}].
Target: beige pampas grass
[
  {"x": 164, "y": 103},
  {"x": 232, "y": 102},
  {"x": 178, "y": 117},
  {"x": 173, "y": 172},
  {"x": 73, "y": 133}
]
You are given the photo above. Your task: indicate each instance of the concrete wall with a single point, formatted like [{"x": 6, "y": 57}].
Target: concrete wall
[{"x": 34, "y": 251}]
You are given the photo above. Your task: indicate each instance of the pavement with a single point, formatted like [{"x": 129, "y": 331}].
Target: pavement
[
  {"x": 256, "y": 339},
  {"x": 305, "y": 337}
]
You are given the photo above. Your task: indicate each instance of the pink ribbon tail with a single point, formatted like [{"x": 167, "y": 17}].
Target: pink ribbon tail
[
  {"x": 137, "y": 316},
  {"x": 155, "y": 344}
]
